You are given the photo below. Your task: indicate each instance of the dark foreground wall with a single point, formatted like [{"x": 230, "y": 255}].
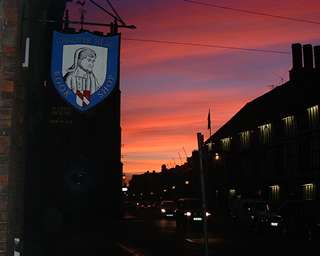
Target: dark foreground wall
[{"x": 73, "y": 166}]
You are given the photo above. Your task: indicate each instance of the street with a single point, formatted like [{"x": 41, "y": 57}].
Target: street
[{"x": 146, "y": 232}]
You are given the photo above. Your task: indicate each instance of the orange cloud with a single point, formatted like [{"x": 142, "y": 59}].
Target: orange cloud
[{"x": 167, "y": 89}]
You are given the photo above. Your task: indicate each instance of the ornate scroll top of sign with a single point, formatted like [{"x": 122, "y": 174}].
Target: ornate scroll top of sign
[{"x": 84, "y": 67}]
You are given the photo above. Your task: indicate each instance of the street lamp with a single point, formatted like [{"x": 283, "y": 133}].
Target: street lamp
[
  {"x": 187, "y": 188},
  {"x": 124, "y": 177}
]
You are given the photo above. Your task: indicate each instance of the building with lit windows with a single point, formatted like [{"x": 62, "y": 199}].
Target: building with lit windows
[
  {"x": 270, "y": 149},
  {"x": 169, "y": 184}
]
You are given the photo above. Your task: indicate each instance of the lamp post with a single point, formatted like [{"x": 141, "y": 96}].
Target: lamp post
[
  {"x": 124, "y": 177},
  {"x": 200, "y": 147}
]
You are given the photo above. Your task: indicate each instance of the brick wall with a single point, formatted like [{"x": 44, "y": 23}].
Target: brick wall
[{"x": 11, "y": 129}]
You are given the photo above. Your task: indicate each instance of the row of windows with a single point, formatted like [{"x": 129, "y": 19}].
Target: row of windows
[
  {"x": 288, "y": 128},
  {"x": 293, "y": 159}
]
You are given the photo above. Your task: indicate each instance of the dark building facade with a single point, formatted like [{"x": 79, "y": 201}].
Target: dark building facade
[
  {"x": 269, "y": 150},
  {"x": 54, "y": 159}
]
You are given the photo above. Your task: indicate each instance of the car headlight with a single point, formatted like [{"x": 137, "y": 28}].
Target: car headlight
[
  {"x": 187, "y": 214},
  {"x": 163, "y": 210},
  {"x": 208, "y": 214}
]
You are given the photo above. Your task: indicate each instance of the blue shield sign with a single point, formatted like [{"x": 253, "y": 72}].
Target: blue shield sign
[{"x": 84, "y": 67}]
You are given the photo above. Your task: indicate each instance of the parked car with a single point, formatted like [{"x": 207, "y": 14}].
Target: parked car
[
  {"x": 300, "y": 217},
  {"x": 256, "y": 214},
  {"x": 189, "y": 211},
  {"x": 168, "y": 208}
]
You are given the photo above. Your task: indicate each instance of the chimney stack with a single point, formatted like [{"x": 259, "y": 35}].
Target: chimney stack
[
  {"x": 307, "y": 56},
  {"x": 296, "y": 56},
  {"x": 316, "y": 51},
  {"x": 306, "y": 71}
]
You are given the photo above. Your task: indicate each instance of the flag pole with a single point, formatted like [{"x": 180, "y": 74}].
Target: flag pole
[{"x": 209, "y": 122}]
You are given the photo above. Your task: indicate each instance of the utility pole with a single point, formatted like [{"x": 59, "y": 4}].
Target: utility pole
[{"x": 204, "y": 210}]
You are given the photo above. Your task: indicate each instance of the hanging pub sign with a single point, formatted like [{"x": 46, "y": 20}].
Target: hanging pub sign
[{"x": 84, "y": 67}]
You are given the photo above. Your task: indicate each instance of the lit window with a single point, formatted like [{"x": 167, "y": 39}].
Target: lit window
[
  {"x": 225, "y": 143},
  {"x": 290, "y": 126},
  {"x": 245, "y": 139},
  {"x": 313, "y": 116},
  {"x": 309, "y": 191},
  {"x": 265, "y": 133}
]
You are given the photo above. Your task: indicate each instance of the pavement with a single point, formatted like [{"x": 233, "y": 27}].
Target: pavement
[
  {"x": 91, "y": 242},
  {"x": 102, "y": 239},
  {"x": 99, "y": 239}
]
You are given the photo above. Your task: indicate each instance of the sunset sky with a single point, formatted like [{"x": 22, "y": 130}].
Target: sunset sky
[{"x": 187, "y": 57}]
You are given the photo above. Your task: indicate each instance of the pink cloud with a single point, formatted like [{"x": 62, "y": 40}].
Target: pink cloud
[{"x": 167, "y": 89}]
